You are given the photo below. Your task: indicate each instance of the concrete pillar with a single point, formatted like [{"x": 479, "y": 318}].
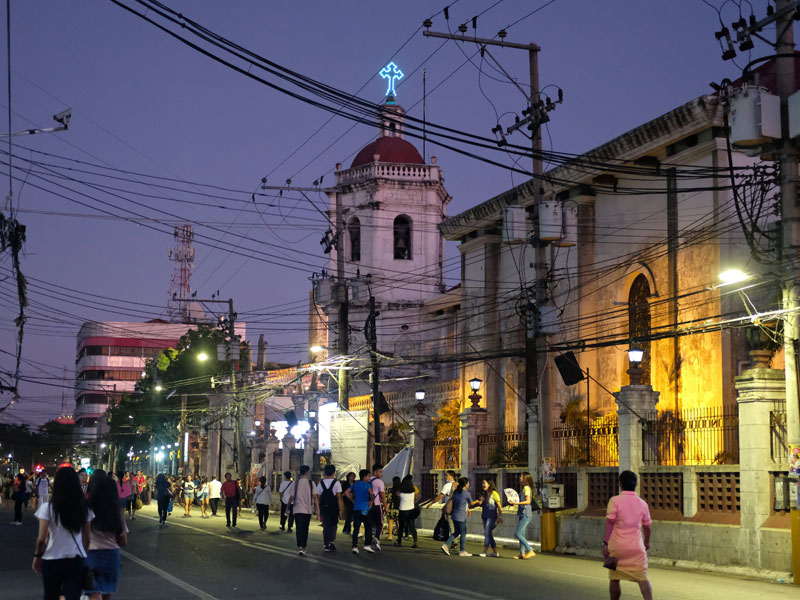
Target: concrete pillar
[
  {"x": 288, "y": 446},
  {"x": 421, "y": 430},
  {"x": 310, "y": 443},
  {"x": 473, "y": 423},
  {"x": 534, "y": 445},
  {"x": 758, "y": 390},
  {"x": 583, "y": 489},
  {"x": 689, "y": 492},
  {"x": 634, "y": 402},
  {"x": 271, "y": 448}
]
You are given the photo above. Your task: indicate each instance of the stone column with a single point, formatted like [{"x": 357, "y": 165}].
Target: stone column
[
  {"x": 310, "y": 443},
  {"x": 288, "y": 446},
  {"x": 271, "y": 448},
  {"x": 759, "y": 390},
  {"x": 634, "y": 402},
  {"x": 421, "y": 430},
  {"x": 534, "y": 431},
  {"x": 473, "y": 423}
]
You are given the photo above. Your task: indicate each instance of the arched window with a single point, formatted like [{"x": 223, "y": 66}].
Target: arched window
[
  {"x": 354, "y": 231},
  {"x": 639, "y": 321},
  {"x": 402, "y": 238}
]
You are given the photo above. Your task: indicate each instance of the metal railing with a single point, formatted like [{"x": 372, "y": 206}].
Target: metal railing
[
  {"x": 442, "y": 454},
  {"x": 575, "y": 444},
  {"x": 700, "y": 436},
  {"x": 503, "y": 449},
  {"x": 777, "y": 436}
]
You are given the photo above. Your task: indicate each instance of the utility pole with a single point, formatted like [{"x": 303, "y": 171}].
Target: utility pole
[{"x": 371, "y": 331}]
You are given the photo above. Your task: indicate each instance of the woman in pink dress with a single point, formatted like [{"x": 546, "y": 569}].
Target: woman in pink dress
[{"x": 627, "y": 517}]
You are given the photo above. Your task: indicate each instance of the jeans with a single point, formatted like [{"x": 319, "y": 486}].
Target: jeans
[
  {"x": 406, "y": 525},
  {"x": 63, "y": 577},
  {"x": 522, "y": 526},
  {"x": 488, "y": 538},
  {"x": 163, "y": 507},
  {"x": 348, "y": 516},
  {"x": 360, "y": 518},
  {"x": 301, "y": 523},
  {"x": 375, "y": 517},
  {"x": 231, "y": 504},
  {"x": 18, "y": 511},
  {"x": 263, "y": 515},
  {"x": 329, "y": 525},
  {"x": 214, "y": 502},
  {"x": 459, "y": 530},
  {"x": 287, "y": 513}
]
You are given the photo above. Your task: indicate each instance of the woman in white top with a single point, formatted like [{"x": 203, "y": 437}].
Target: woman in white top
[
  {"x": 409, "y": 493},
  {"x": 107, "y": 534},
  {"x": 203, "y": 496},
  {"x": 262, "y": 496},
  {"x": 63, "y": 534}
]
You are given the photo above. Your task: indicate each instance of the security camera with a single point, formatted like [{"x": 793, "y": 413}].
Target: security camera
[{"x": 63, "y": 117}]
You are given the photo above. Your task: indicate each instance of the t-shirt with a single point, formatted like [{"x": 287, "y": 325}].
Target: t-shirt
[
  {"x": 407, "y": 499},
  {"x": 124, "y": 489},
  {"x": 214, "y": 488},
  {"x": 377, "y": 487},
  {"x": 525, "y": 510},
  {"x": 188, "y": 488},
  {"x": 489, "y": 504},
  {"x": 328, "y": 505},
  {"x": 461, "y": 502},
  {"x": 285, "y": 490},
  {"x": 447, "y": 489},
  {"x": 104, "y": 540},
  {"x": 62, "y": 543},
  {"x": 360, "y": 490},
  {"x": 337, "y": 486},
  {"x": 262, "y": 495},
  {"x": 43, "y": 486},
  {"x": 230, "y": 489},
  {"x": 302, "y": 491}
]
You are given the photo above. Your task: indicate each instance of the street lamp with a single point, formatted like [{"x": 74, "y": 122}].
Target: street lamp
[
  {"x": 158, "y": 387},
  {"x": 420, "y": 397},
  {"x": 635, "y": 357},
  {"x": 257, "y": 422},
  {"x": 316, "y": 349},
  {"x": 731, "y": 276},
  {"x": 103, "y": 445},
  {"x": 202, "y": 357},
  {"x": 475, "y": 385}
]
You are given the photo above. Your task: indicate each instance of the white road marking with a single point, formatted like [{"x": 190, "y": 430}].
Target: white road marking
[{"x": 171, "y": 578}]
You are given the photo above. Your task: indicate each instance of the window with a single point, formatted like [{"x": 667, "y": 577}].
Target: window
[
  {"x": 354, "y": 231},
  {"x": 402, "y": 238},
  {"x": 639, "y": 321}
]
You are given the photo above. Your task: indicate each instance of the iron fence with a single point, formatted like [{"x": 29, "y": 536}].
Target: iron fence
[
  {"x": 503, "y": 449},
  {"x": 700, "y": 436},
  {"x": 777, "y": 436},
  {"x": 575, "y": 444},
  {"x": 442, "y": 454}
]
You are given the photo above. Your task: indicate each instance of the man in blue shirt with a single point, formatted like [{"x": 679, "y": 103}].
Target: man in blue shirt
[{"x": 360, "y": 494}]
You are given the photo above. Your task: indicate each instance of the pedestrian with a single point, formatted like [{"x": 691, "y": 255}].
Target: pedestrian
[
  {"x": 232, "y": 494},
  {"x": 42, "y": 488},
  {"x": 445, "y": 494},
  {"x": 408, "y": 511},
  {"x": 330, "y": 507},
  {"x": 461, "y": 501},
  {"x": 285, "y": 492},
  {"x": 64, "y": 524},
  {"x": 188, "y": 496},
  {"x": 83, "y": 477},
  {"x": 491, "y": 514},
  {"x": 141, "y": 488},
  {"x": 303, "y": 500},
  {"x": 378, "y": 506},
  {"x": 214, "y": 491},
  {"x": 8, "y": 489},
  {"x": 262, "y": 496},
  {"x": 525, "y": 515},
  {"x": 19, "y": 498},
  {"x": 163, "y": 498},
  {"x": 124, "y": 488},
  {"x": 107, "y": 534},
  {"x": 29, "y": 490},
  {"x": 360, "y": 494},
  {"x": 202, "y": 498},
  {"x": 627, "y": 517},
  {"x": 393, "y": 508},
  {"x": 348, "y": 505}
]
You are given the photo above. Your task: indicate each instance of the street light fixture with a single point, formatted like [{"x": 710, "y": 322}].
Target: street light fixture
[
  {"x": 475, "y": 385},
  {"x": 316, "y": 349},
  {"x": 158, "y": 387},
  {"x": 257, "y": 422},
  {"x": 635, "y": 371},
  {"x": 420, "y": 397},
  {"x": 202, "y": 357},
  {"x": 731, "y": 276}
]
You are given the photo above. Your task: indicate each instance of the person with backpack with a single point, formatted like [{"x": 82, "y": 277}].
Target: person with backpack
[
  {"x": 408, "y": 511},
  {"x": 461, "y": 501},
  {"x": 360, "y": 494},
  {"x": 262, "y": 496},
  {"x": 378, "y": 505},
  {"x": 285, "y": 493},
  {"x": 329, "y": 491},
  {"x": 303, "y": 499}
]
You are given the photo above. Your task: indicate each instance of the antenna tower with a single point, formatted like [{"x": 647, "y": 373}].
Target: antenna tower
[{"x": 179, "y": 286}]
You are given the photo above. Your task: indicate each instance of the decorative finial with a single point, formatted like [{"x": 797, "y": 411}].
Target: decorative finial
[{"x": 391, "y": 73}]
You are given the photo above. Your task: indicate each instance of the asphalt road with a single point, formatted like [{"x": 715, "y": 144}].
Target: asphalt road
[{"x": 200, "y": 558}]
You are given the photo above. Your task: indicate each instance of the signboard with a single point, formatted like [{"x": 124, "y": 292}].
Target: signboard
[
  {"x": 324, "y": 419},
  {"x": 794, "y": 460},
  {"x": 349, "y": 438},
  {"x": 85, "y": 462}
]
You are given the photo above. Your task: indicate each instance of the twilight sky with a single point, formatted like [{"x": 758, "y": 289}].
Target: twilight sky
[{"x": 145, "y": 104}]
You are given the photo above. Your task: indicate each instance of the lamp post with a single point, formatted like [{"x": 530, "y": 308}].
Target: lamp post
[
  {"x": 635, "y": 357},
  {"x": 420, "y": 397},
  {"x": 475, "y": 397}
]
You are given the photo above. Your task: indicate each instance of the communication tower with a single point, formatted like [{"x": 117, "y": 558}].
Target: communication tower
[{"x": 180, "y": 288}]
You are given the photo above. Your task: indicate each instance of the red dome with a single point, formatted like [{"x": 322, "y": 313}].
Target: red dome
[{"x": 391, "y": 150}]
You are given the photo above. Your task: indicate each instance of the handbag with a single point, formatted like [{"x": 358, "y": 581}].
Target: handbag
[
  {"x": 610, "y": 562},
  {"x": 88, "y": 575},
  {"x": 138, "y": 503}
]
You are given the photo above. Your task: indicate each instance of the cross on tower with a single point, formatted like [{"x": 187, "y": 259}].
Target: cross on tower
[{"x": 392, "y": 73}]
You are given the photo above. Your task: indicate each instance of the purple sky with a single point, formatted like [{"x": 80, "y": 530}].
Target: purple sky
[{"x": 143, "y": 102}]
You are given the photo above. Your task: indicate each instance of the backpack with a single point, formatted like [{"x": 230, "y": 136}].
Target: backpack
[
  {"x": 442, "y": 530},
  {"x": 328, "y": 505}
]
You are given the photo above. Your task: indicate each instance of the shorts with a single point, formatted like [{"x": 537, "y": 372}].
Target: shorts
[
  {"x": 188, "y": 496},
  {"x": 106, "y": 570}
]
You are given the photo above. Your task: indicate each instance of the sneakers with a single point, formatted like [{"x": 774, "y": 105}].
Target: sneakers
[
  {"x": 465, "y": 553},
  {"x": 529, "y": 554},
  {"x": 483, "y": 555},
  {"x": 332, "y": 547},
  {"x": 369, "y": 549},
  {"x": 301, "y": 551},
  {"x": 355, "y": 550},
  {"x": 326, "y": 548},
  {"x": 415, "y": 545},
  {"x": 377, "y": 545},
  {"x": 283, "y": 528},
  {"x": 445, "y": 549}
]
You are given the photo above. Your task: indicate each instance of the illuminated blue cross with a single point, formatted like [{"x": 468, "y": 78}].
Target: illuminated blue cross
[{"x": 392, "y": 73}]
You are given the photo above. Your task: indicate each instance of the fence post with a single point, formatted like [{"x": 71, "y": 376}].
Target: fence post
[
  {"x": 534, "y": 458},
  {"x": 473, "y": 423},
  {"x": 286, "y": 458},
  {"x": 583, "y": 489},
  {"x": 421, "y": 430},
  {"x": 634, "y": 402},
  {"x": 759, "y": 390}
]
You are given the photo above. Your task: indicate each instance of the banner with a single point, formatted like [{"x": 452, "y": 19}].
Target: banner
[{"x": 349, "y": 437}]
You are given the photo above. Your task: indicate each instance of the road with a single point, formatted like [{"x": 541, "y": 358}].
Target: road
[{"x": 200, "y": 558}]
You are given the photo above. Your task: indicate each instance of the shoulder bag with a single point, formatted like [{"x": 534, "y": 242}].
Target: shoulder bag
[{"x": 88, "y": 578}]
